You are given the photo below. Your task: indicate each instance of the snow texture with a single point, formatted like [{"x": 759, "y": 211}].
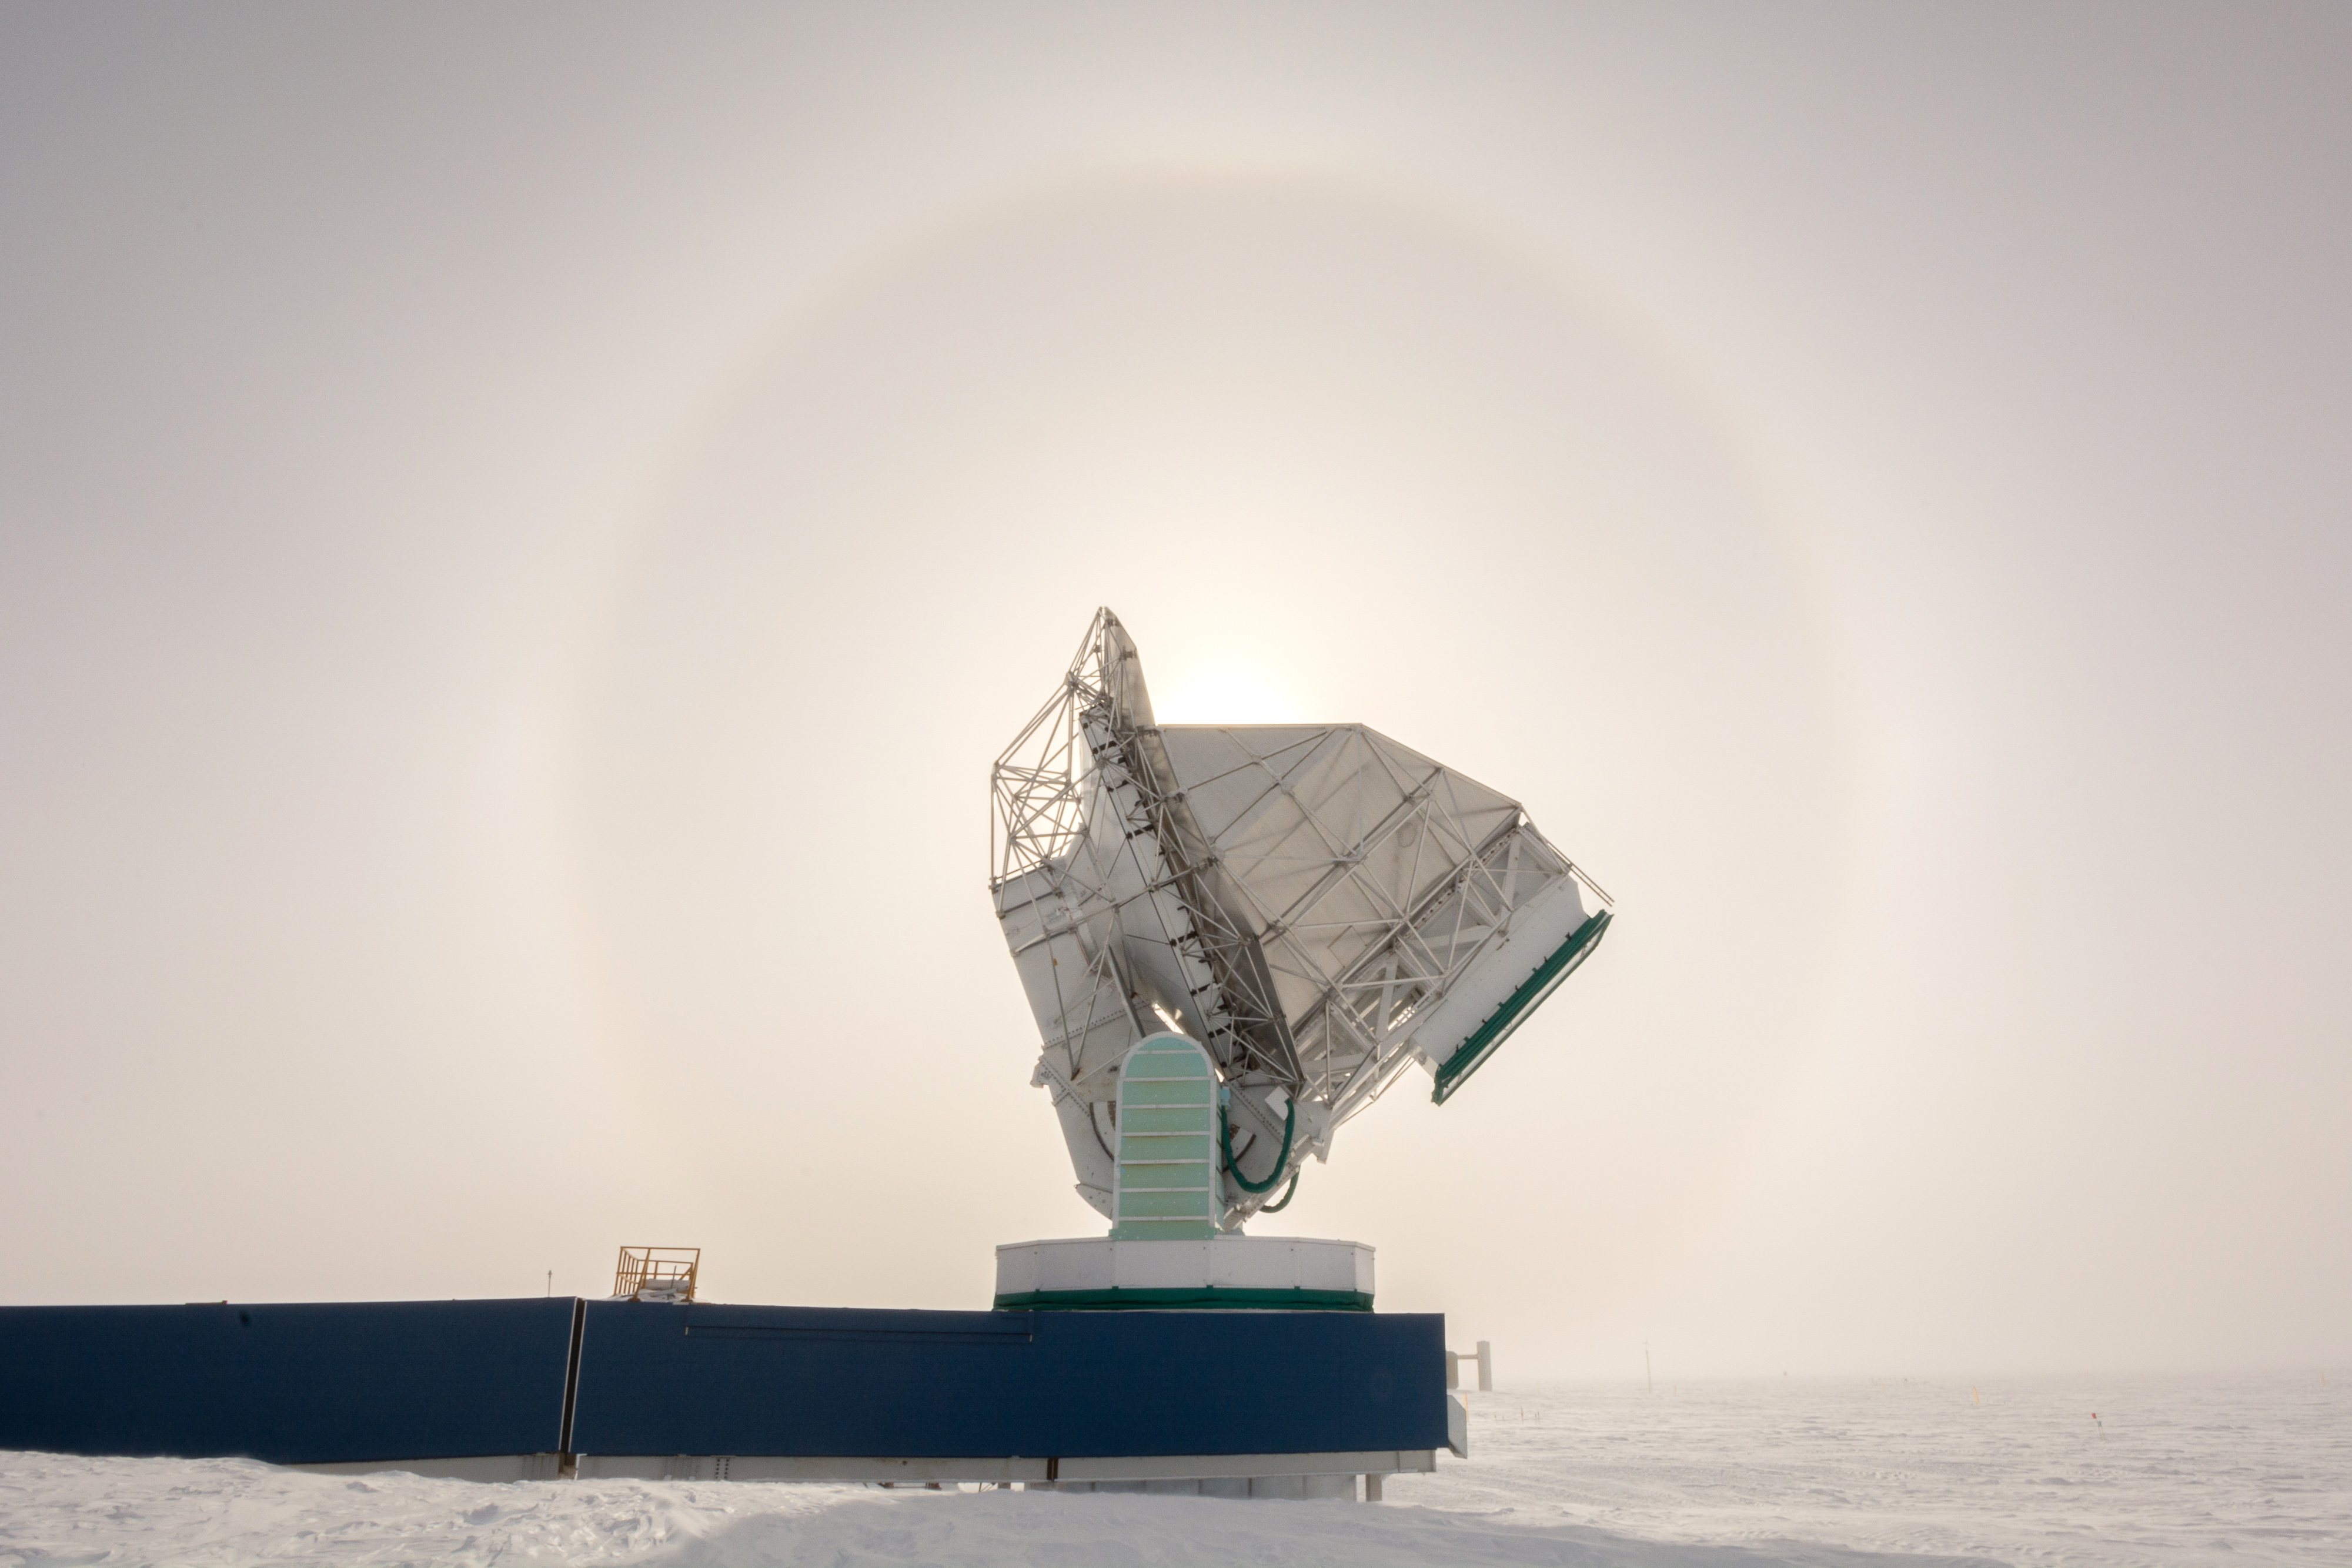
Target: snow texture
[{"x": 2248, "y": 1471}]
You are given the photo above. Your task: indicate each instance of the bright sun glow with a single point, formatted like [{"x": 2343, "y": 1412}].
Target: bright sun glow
[{"x": 1226, "y": 694}]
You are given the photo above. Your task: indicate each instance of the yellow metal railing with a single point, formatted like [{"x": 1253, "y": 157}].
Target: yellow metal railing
[{"x": 671, "y": 1268}]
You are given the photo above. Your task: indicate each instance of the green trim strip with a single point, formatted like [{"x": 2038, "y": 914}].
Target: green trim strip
[
  {"x": 1203, "y": 1298},
  {"x": 1489, "y": 1036}
]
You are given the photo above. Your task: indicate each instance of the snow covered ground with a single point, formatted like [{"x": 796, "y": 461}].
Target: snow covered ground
[
  {"x": 1727, "y": 1475},
  {"x": 2172, "y": 1471}
]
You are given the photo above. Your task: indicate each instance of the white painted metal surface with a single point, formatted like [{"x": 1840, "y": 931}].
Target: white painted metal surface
[
  {"x": 1223, "y": 1262},
  {"x": 1251, "y": 1475},
  {"x": 1316, "y": 905},
  {"x": 478, "y": 1468},
  {"x": 1072, "y": 1473},
  {"x": 1483, "y": 1357}
]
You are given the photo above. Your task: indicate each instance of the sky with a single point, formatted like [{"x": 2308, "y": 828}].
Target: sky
[{"x": 523, "y": 528}]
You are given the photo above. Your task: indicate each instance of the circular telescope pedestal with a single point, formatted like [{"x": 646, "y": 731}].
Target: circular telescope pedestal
[{"x": 1248, "y": 1273}]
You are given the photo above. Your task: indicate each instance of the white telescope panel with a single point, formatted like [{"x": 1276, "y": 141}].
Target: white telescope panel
[{"x": 1316, "y": 905}]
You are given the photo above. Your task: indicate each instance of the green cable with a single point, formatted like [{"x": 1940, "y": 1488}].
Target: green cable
[
  {"x": 1225, "y": 1139},
  {"x": 1288, "y": 1193}
]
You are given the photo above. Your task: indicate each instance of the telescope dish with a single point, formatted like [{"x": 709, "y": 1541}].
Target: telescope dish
[{"x": 1316, "y": 906}]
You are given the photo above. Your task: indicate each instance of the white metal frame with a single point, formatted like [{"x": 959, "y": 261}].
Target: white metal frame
[{"x": 1301, "y": 951}]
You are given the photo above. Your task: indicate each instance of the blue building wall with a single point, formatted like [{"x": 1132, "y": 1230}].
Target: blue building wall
[
  {"x": 711, "y": 1379},
  {"x": 430, "y": 1380},
  {"x": 291, "y": 1384}
]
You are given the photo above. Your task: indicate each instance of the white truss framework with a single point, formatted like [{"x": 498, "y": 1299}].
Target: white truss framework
[{"x": 1317, "y": 905}]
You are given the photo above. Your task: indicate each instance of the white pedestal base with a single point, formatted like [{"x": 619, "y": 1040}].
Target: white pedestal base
[{"x": 1250, "y": 1272}]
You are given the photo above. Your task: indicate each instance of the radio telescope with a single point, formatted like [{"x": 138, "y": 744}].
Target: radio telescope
[{"x": 1316, "y": 906}]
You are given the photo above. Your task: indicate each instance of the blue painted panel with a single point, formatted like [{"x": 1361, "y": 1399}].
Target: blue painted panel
[
  {"x": 416, "y": 1380},
  {"x": 291, "y": 1384},
  {"x": 710, "y": 1379}
]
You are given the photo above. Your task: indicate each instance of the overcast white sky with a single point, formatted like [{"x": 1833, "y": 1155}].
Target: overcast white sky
[{"x": 522, "y": 528}]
